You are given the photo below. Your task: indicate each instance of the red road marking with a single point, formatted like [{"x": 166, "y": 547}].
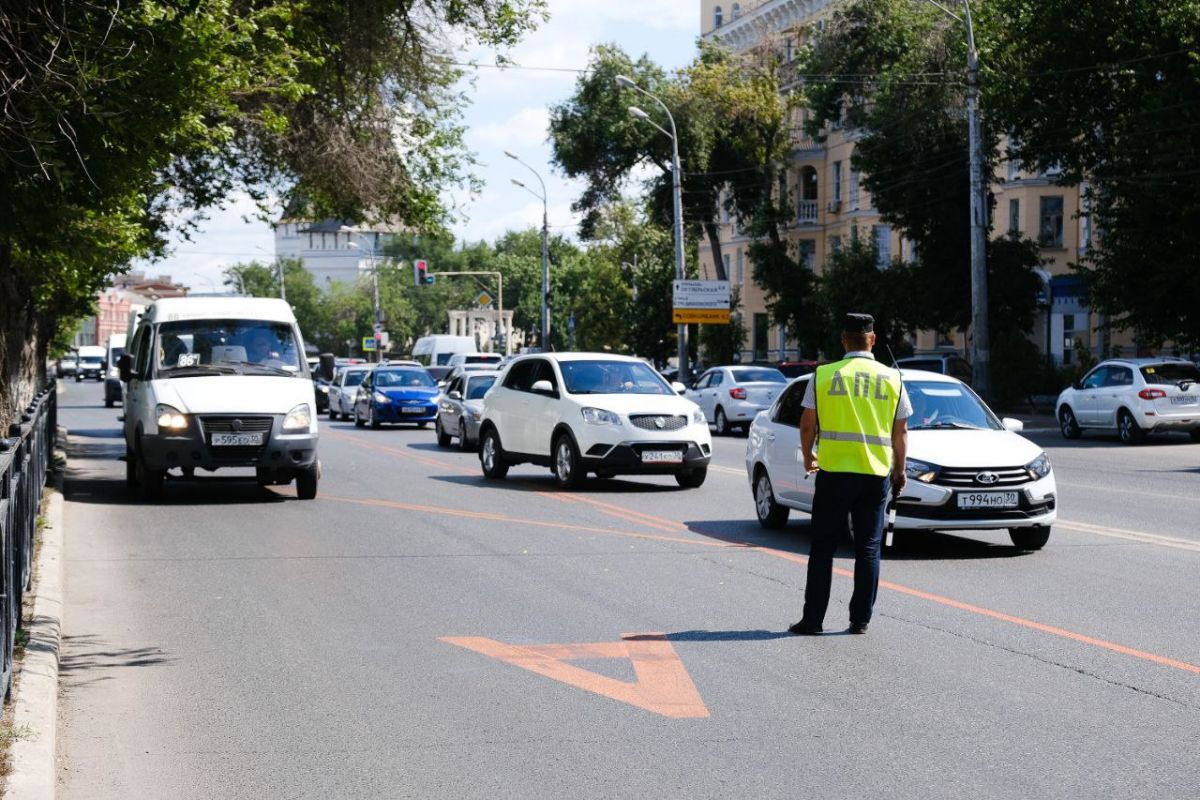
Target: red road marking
[{"x": 663, "y": 685}]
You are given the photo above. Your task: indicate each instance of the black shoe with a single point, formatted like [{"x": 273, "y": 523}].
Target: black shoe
[
  {"x": 857, "y": 627},
  {"x": 803, "y": 628}
]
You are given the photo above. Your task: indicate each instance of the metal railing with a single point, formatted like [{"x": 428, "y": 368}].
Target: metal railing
[{"x": 25, "y": 460}]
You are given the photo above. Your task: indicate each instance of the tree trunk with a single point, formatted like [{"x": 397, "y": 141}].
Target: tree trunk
[
  {"x": 713, "y": 232},
  {"x": 21, "y": 354}
]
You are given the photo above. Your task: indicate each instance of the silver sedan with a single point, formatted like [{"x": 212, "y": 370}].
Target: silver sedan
[
  {"x": 732, "y": 396},
  {"x": 461, "y": 408}
]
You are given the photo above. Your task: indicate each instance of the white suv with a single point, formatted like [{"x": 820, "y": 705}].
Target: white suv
[
  {"x": 591, "y": 412},
  {"x": 1133, "y": 396}
]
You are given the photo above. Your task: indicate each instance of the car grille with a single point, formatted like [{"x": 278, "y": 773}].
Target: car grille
[
  {"x": 210, "y": 425},
  {"x": 968, "y": 478},
  {"x": 649, "y": 422}
]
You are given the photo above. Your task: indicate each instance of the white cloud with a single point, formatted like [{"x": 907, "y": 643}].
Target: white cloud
[{"x": 526, "y": 128}]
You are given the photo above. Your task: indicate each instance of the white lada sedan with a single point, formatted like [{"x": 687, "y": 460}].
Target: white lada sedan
[
  {"x": 967, "y": 469},
  {"x": 591, "y": 412}
]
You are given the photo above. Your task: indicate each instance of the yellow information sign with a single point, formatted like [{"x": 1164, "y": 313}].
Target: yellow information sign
[{"x": 706, "y": 316}]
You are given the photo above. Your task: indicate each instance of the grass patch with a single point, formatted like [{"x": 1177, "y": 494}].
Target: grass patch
[{"x": 18, "y": 733}]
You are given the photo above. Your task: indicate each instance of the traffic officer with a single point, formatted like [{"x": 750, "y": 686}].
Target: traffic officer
[{"x": 859, "y": 410}]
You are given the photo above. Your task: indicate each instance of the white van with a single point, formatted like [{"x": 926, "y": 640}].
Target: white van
[
  {"x": 91, "y": 363},
  {"x": 112, "y": 375},
  {"x": 436, "y": 350},
  {"x": 219, "y": 382},
  {"x": 487, "y": 359}
]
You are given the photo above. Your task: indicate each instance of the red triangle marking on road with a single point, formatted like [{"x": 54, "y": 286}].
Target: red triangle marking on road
[{"x": 663, "y": 685}]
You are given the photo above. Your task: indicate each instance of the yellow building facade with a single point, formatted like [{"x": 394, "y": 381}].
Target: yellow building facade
[{"x": 832, "y": 206}]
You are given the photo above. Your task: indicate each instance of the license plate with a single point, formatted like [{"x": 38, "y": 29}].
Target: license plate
[
  {"x": 1185, "y": 400},
  {"x": 412, "y": 410},
  {"x": 662, "y": 457},
  {"x": 987, "y": 500},
  {"x": 236, "y": 439}
]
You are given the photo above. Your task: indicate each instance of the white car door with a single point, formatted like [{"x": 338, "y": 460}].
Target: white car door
[
  {"x": 508, "y": 406},
  {"x": 792, "y": 488},
  {"x": 541, "y": 410},
  {"x": 1118, "y": 383},
  {"x": 1087, "y": 397},
  {"x": 696, "y": 393}
]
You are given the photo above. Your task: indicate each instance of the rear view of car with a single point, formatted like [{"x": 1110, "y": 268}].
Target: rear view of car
[{"x": 732, "y": 396}]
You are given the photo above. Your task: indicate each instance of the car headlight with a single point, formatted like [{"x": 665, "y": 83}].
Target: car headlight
[
  {"x": 476, "y": 414},
  {"x": 598, "y": 416},
  {"x": 920, "y": 471},
  {"x": 170, "y": 418},
  {"x": 298, "y": 419},
  {"x": 323, "y": 389},
  {"x": 382, "y": 398},
  {"x": 1039, "y": 467},
  {"x": 698, "y": 417}
]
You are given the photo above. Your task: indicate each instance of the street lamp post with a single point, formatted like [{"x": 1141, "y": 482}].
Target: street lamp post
[
  {"x": 981, "y": 340},
  {"x": 545, "y": 338},
  {"x": 677, "y": 197},
  {"x": 371, "y": 255}
]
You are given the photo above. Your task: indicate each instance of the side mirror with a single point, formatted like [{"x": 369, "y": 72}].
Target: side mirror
[
  {"x": 1077, "y": 385},
  {"x": 455, "y": 395},
  {"x": 542, "y": 387},
  {"x": 125, "y": 367},
  {"x": 678, "y": 387},
  {"x": 441, "y": 384},
  {"x": 1014, "y": 425}
]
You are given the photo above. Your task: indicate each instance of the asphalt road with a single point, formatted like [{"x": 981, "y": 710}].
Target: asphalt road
[{"x": 416, "y": 632}]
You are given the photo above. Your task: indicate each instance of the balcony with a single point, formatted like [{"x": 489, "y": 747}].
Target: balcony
[{"x": 806, "y": 212}]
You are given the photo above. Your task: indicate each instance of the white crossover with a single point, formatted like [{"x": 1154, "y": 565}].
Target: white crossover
[{"x": 1133, "y": 396}]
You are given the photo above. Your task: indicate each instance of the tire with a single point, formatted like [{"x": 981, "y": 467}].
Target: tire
[
  {"x": 564, "y": 461},
  {"x": 333, "y": 415},
  {"x": 491, "y": 456},
  {"x": 692, "y": 478},
  {"x": 771, "y": 515},
  {"x": 1030, "y": 538},
  {"x": 463, "y": 444},
  {"x": 1068, "y": 424},
  {"x": 306, "y": 482},
  {"x": 108, "y": 403},
  {"x": 422, "y": 425},
  {"x": 374, "y": 423},
  {"x": 443, "y": 438},
  {"x": 358, "y": 423},
  {"x": 131, "y": 470},
  {"x": 1128, "y": 429},
  {"x": 151, "y": 480},
  {"x": 721, "y": 422},
  {"x": 1195, "y": 435}
]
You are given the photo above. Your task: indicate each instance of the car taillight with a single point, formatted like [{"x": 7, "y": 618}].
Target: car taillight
[
  {"x": 737, "y": 393},
  {"x": 1151, "y": 394}
]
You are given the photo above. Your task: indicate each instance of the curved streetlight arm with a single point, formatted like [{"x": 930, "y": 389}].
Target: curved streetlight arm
[
  {"x": 627, "y": 83},
  {"x": 514, "y": 157},
  {"x": 526, "y": 188}
]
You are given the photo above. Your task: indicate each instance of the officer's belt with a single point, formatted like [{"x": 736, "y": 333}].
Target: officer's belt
[{"x": 861, "y": 438}]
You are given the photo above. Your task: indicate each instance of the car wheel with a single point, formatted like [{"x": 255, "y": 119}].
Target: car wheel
[
  {"x": 1034, "y": 538},
  {"x": 374, "y": 423},
  {"x": 306, "y": 482},
  {"x": 462, "y": 437},
  {"x": 333, "y": 415},
  {"x": 1129, "y": 430},
  {"x": 131, "y": 469},
  {"x": 1068, "y": 424},
  {"x": 443, "y": 438},
  {"x": 770, "y": 513},
  {"x": 722, "y": 422},
  {"x": 358, "y": 422},
  {"x": 421, "y": 424},
  {"x": 1195, "y": 435},
  {"x": 567, "y": 471},
  {"x": 491, "y": 456},
  {"x": 108, "y": 403},
  {"x": 692, "y": 478},
  {"x": 151, "y": 480}
]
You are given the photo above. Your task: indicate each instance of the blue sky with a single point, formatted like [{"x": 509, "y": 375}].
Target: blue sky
[{"x": 509, "y": 112}]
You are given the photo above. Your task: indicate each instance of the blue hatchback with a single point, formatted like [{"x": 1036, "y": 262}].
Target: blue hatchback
[{"x": 396, "y": 394}]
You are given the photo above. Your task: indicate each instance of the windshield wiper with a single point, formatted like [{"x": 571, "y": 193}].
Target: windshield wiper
[
  {"x": 197, "y": 370},
  {"x": 274, "y": 370},
  {"x": 947, "y": 424}
]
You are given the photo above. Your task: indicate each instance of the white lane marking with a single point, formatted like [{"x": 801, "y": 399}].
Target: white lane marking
[
  {"x": 1109, "y": 488},
  {"x": 1134, "y": 536}
]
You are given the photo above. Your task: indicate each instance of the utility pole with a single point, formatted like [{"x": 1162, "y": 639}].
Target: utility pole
[
  {"x": 378, "y": 310},
  {"x": 282, "y": 288},
  {"x": 981, "y": 340},
  {"x": 545, "y": 336}
]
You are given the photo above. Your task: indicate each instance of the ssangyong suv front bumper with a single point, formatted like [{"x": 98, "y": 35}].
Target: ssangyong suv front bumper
[
  {"x": 194, "y": 446},
  {"x": 626, "y": 458}
]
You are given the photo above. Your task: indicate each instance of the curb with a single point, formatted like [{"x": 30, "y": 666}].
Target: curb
[{"x": 33, "y": 759}]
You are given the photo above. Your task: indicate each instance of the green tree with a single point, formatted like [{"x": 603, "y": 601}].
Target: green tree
[
  {"x": 855, "y": 282},
  {"x": 1109, "y": 92},
  {"x": 256, "y": 279},
  {"x": 720, "y": 343}
]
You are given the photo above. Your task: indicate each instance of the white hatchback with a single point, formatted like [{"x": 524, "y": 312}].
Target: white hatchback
[
  {"x": 1133, "y": 396},
  {"x": 591, "y": 412},
  {"x": 967, "y": 469}
]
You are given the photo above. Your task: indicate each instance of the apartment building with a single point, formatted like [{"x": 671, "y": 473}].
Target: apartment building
[
  {"x": 331, "y": 250},
  {"x": 833, "y": 207}
]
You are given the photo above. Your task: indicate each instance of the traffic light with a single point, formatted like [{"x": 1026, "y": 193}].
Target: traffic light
[{"x": 421, "y": 274}]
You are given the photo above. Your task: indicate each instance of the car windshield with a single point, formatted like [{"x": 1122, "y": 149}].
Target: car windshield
[
  {"x": 612, "y": 377},
  {"x": 758, "y": 375},
  {"x": 391, "y": 378},
  {"x": 354, "y": 377},
  {"x": 1171, "y": 373},
  {"x": 947, "y": 405},
  {"x": 228, "y": 347},
  {"x": 91, "y": 361},
  {"x": 477, "y": 387}
]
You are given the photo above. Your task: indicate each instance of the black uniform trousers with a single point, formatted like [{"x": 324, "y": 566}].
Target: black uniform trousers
[{"x": 862, "y": 500}]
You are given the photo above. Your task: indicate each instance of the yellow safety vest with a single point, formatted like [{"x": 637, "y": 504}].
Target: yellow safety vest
[{"x": 856, "y": 408}]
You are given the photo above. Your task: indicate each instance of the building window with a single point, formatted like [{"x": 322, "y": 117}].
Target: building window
[
  {"x": 835, "y": 243},
  {"x": 1050, "y": 231},
  {"x": 735, "y": 11},
  {"x": 739, "y": 277},
  {"x": 1085, "y": 223},
  {"x": 808, "y": 254},
  {"x": 761, "y": 333},
  {"x": 725, "y": 260},
  {"x": 837, "y": 180},
  {"x": 882, "y": 236},
  {"x": 1014, "y": 216},
  {"x": 853, "y": 189},
  {"x": 781, "y": 187},
  {"x": 718, "y": 17}
]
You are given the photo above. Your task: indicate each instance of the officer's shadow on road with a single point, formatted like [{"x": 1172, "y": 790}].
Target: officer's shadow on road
[{"x": 908, "y": 545}]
